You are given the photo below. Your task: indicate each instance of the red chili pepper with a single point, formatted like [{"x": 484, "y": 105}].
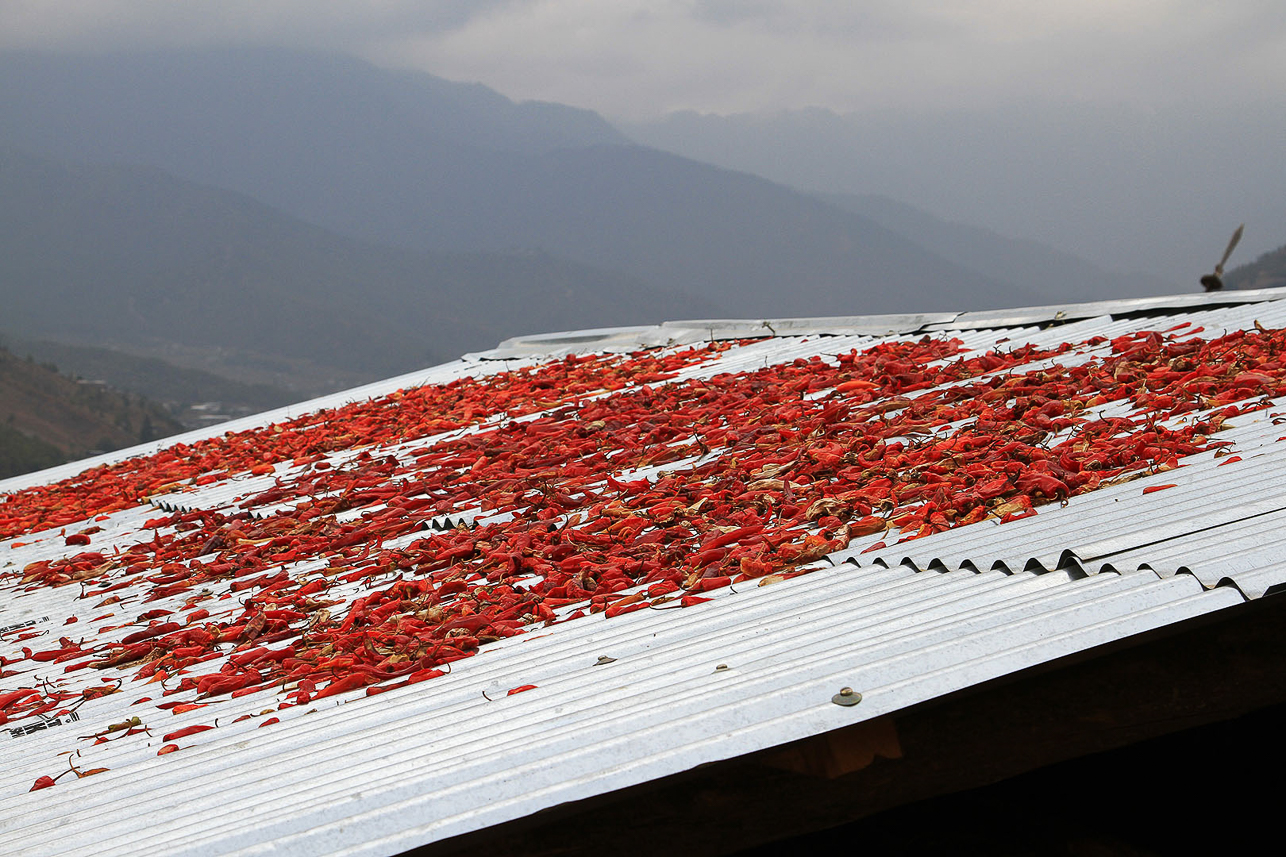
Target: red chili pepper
[
  {"x": 627, "y": 605},
  {"x": 710, "y": 583},
  {"x": 149, "y": 633},
  {"x": 343, "y": 685},
  {"x": 184, "y": 732},
  {"x": 8, "y": 699}
]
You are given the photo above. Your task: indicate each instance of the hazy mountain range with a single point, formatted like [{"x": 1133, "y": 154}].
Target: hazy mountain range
[
  {"x": 134, "y": 258},
  {"x": 194, "y": 397},
  {"x": 308, "y": 221},
  {"x": 1153, "y": 188},
  {"x": 1057, "y": 276},
  {"x": 409, "y": 160}
]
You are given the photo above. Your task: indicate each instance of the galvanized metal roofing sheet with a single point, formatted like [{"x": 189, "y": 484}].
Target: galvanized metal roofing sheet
[
  {"x": 1219, "y": 520},
  {"x": 380, "y": 775},
  {"x": 582, "y": 705}
]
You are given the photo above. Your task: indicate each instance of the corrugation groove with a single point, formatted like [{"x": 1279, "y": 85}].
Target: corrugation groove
[{"x": 1201, "y": 499}]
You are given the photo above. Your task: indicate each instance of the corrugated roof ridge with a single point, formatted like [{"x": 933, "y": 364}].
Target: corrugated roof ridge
[{"x": 683, "y": 332}]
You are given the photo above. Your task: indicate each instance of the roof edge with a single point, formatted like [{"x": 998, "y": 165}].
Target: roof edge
[{"x": 707, "y": 330}]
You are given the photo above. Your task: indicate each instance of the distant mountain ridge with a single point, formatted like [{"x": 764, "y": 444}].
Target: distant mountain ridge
[
  {"x": 204, "y": 96},
  {"x": 1266, "y": 272},
  {"x": 1131, "y": 187},
  {"x": 1057, "y": 276},
  {"x": 407, "y": 159},
  {"x": 130, "y": 256}
]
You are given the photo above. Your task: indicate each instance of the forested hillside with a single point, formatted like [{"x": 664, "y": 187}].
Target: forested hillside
[
  {"x": 1266, "y": 272},
  {"x": 193, "y": 397},
  {"x": 47, "y": 418}
]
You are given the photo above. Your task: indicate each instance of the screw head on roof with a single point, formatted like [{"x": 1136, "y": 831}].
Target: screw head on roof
[
  {"x": 604, "y": 659},
  {"x": 846, "y": 696},
  {"x": 720, "y": 668}
]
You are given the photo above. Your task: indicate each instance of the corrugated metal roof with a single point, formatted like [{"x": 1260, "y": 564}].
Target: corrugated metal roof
[
  {"x": 755, "y": 667},
  {"x": 380, "y": 775}
]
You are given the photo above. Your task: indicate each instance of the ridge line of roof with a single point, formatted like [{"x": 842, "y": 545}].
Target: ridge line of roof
[{"x": 704, "y": 330}]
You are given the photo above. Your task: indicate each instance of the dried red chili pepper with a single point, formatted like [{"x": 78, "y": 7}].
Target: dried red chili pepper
[
  {"x": 781, "y": 480},
  {"x": 184, "y": 732}
]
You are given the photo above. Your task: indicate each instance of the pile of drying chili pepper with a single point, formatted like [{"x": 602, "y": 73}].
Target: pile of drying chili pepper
[
  {"x": 623, "y": 489},
  {"x": 419, "y": 412}
]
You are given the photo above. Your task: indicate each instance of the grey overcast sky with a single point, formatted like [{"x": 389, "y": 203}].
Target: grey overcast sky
[{"x": 637, "y": 59}]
